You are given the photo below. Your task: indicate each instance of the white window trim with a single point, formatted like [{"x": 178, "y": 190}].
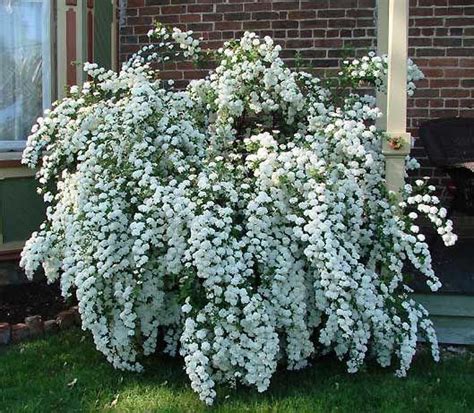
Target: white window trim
[{"x": 8, "y": 146}]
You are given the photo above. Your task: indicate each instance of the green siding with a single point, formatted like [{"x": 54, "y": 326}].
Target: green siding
[
  {"x": 21, "y": 208},
  {"x": 454, "y": 330},
  {"x": 452, "y": 315},
  {"x": 103, "y": 18}
]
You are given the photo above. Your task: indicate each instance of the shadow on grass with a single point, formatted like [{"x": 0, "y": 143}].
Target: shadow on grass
[{"x": 65, "y": 373}]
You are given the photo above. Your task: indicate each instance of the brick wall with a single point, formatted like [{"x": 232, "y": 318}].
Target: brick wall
[{"x": 441, "y": 42}]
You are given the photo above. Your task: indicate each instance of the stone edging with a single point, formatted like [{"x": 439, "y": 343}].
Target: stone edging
[{"x": 35, "y": 327}]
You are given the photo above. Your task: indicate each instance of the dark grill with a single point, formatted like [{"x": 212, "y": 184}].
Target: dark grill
[{"x": 450, "y": 146}]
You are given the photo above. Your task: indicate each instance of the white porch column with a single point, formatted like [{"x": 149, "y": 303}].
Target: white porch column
[{"x": 392, "y": 39}]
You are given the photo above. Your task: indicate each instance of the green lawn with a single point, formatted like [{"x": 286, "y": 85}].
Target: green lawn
[{"x": 34, "y": 377}]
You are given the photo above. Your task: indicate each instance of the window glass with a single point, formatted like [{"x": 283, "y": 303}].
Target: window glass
[{"x": 25, "y": 68}]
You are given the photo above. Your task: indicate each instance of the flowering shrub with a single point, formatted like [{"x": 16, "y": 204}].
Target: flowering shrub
[{"x": 244, "y": 221}]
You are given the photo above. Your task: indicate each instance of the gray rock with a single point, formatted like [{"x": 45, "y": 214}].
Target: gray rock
[
  {"x": 51, "y": 326},
  {"x": 66, "y": 319},
  {"x": 35, "y": 324},
  {"x": 77, "y": 316}
]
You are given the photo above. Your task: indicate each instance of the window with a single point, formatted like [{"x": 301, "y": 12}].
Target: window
[{"x": 25, "y": 68}]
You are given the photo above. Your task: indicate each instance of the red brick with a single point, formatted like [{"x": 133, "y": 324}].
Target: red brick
[
  {"x": 172, "y": 19},
  {"x": 417, "y": 112},
  {"x": 421, "y": 41},
  {"x": 138, "y": 30},
  {"x": 447, "y": 42},
  {"x": 455, "y": 93},
  {"x": 365, "y": 23},
  {"x": 440, "y": 83},
  {"x": 302, "y": 14},
  {"x": 430, "y": 52},
  {"x": 469, "y": 31},
  {"x": 140, "y": 21},
  {"x": 445, "y": 62},
  {"x": 152, "y": 11},
  {"x": 200, "y": 8},
  {"x": 431, "y": 21},
  {"x": 315, "y": 4},
  {"x": 460, "y": 51},
  {"x": 5, "y": 333},
  {"x": 466, "y": 63},
  {"x": 431, "y": 3},
  {"x": 196, "y": 74},
  {"x": 299, "y": 44},
  {"x": 421, "y": 11},
  {"x": 448, "y": 11},
  {"x": 428, "y": 93},
  {"x": 344, "y": 4},
  {"x": 228, "y": 25},
  {"x": 199, "y": 27},
  {"x": 427, "y": 31},
  {"x": 421, "y": 103},
  {"x": 265, "y": 15},
  {"x": 285, "y": 5},
  {"x": 190, "y": 18},
  {"x": 466, "y": 103},
  {"x": 259, "y": 25},
  {"x": 451, "y": 103},
  {"x": 467, "y": 21},
  {"x": 212, "y": 17},
  {"x": 360, "y": 13},
  {"x": 282, "y": 24},
  {"x": 168, "y": 9},
  {"x": 344, "y": 23},
  {"x": 436, "y": 103},
  {"x": 20, "y": 332},
  {"x": 331, "y": 13},
  {"x": 257, "y": 6},
  {"x": 328, "y": 43},
  {"x": 444, "y": 113},
  {"x": 129, "y": 48},
  {"x": 135, "y": 3},
  {"x": 225, "y": 8},
  {"x": 168, "y": 74},
  {"x": 236, "y": 16},
  {"x": 433, "y": 72},
  {"x": 313, "y": 23},
  {"x": 459, "y": 72},
  {"x": 467, "y": 83}
]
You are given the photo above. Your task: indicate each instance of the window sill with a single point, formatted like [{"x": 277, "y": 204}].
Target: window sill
[
  {"x": 10, "y": 251},
  {"x": 11, "y": 166},
  {"x": 10, "y": 159}
]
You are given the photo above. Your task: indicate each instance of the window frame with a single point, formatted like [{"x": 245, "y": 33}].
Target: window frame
[{"x": 17, "y": 146}]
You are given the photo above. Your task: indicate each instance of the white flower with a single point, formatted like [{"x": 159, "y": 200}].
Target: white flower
[{"x": 243, "y": 220}]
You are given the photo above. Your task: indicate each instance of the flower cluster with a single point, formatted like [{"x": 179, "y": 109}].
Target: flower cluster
[
  {"x": 373, "y": 70},
  {"x": 244, "y": 221}
]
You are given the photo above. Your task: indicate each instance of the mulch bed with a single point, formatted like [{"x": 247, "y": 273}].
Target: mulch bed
[{"x": 35, "y": 298}]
